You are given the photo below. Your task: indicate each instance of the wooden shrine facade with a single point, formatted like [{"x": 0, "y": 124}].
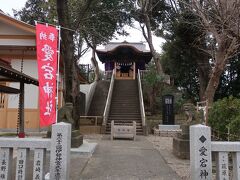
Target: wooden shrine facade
[
  {"x": 124, "y": 58},
  {"x": 8, "y": 74}
]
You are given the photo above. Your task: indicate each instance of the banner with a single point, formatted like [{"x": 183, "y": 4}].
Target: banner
[{"x": 47, "y": 43}]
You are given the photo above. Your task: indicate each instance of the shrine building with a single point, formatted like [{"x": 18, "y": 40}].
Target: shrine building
[{"x": 124, "y": 58}]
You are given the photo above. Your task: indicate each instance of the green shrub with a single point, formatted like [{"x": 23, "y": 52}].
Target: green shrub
[{"x": 224, "y": 114}]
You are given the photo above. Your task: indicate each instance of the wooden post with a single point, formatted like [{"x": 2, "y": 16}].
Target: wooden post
[
  {"x": 134, "y": 70},
  {"x": 115, "y": 69}
]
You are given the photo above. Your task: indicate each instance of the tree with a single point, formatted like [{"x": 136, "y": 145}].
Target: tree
[
  {"x": 182, "y": 58},
  {"x": 219, "y": 21},
  {"x": 101, "y": 23},
  {"x": 230, "y": 80},
  {"x": 150, "y": 14},
  {"x": 37, "y": 10},
  {"x": 71, "y": 91},
  {"x": 153, "y": 85}
]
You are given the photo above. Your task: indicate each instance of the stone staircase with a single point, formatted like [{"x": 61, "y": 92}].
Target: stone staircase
[{"x": 125, "y": 107}]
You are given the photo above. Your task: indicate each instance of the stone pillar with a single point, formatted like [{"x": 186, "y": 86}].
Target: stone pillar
[
  {"x": 39, "y": 162},
  {"x": 6, "y": 159},
  {"x": 60, "y": 151},
  {"x": 200, "y": 153},
  {"x": 222, "y": 166},
  {"x": 22, "y": 163},
  {"x": 236, "y": 165}
]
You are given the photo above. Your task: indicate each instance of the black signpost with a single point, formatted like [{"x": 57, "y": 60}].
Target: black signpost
[{"x": 168, "y": 110}]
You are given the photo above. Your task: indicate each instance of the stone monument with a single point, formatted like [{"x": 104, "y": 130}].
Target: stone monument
[{"x": 168, "y": 110}]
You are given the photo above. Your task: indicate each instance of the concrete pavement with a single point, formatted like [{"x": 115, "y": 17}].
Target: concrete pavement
[
  {"x": 117, "y": 160},
  {"x": 123, "y": 160}
]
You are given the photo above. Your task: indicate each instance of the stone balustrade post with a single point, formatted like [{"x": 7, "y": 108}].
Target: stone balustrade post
[
  {"x": 236, "y": 165},
  {"x": 6, "y": 158}
]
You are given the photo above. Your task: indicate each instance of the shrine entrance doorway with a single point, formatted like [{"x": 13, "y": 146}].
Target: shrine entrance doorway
[{"x": 125, "y": 70}]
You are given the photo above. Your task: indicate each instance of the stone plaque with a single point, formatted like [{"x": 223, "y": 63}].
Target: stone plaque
[
  {"x": 22, "y": 162},
  {"x": 38, "y": 164},
  {"x": 60, "y": 151},
  {"x": 200, "y": 153},
  {"x": 222, "y": 166},
  {"x": 168, "y": 109},
  {"x": 6, "y": 158}
]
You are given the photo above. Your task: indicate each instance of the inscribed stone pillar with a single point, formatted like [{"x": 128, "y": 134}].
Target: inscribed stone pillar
[
  {"x": 22, "y": 163},
  {"x": 6, "y": 158},
  {"x": 200, "y": 153},
  {"x": 222, "y": 166},
  {"x": 38, "y": 164},
  {"x": 60, "y": 151}
]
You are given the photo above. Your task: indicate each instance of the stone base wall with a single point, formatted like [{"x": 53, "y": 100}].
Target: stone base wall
[{"x": 181, "y": 148}]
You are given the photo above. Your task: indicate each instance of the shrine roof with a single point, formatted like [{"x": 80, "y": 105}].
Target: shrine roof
[
  {"x": 17, "y": 23},
  {"x": 8, "y": 74},
  {"x": 123, "y": 52}
]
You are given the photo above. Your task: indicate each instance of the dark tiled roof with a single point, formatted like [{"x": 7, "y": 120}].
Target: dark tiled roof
[
  {"x": 9, "y": 74},
  {"x": 124, "y": 53}
]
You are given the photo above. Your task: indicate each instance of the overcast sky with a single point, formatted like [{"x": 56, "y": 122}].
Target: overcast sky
[{"x": 135, "y": 35}]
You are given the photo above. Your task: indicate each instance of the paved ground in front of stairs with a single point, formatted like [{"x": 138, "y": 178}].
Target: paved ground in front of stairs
[
  {"x": 120, "y": 160},
  {"x": 123, "y": 160}
]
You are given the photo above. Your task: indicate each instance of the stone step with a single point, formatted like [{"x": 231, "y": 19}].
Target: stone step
[
  {"x": 125, "y": 116},
  {"x": 139, "y": 125},
  {"x": 129, "y": 101},
  {"x": 124, "y": 112},
  {"x": 129, "y": 113},
  {"x": 125, "y": 107},
  {"x": 125, "y": 119},
  {"x": 129, "y": 109}
]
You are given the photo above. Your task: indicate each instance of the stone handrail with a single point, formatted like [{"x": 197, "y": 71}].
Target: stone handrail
[
  {"x": 90, "y": 95},
  {"x": 108, "y": 102},
  {"x": 201, "y": 148},
  {"x": 59, "y": 146},
  {"x": 141, "y": 102}
]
